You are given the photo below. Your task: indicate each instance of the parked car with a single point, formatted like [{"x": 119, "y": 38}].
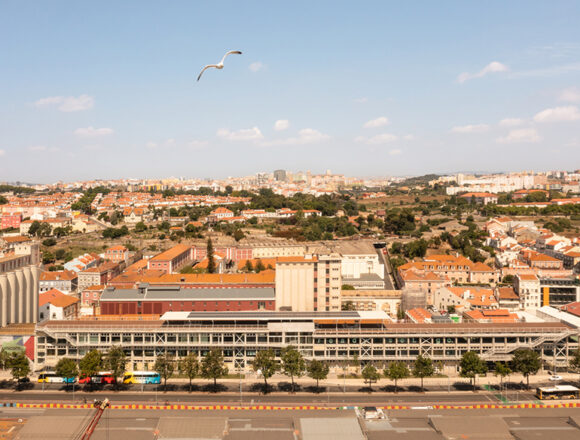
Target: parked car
[
  {"x": 373, "y": 413},
  {"x": 556, "y": 378}
]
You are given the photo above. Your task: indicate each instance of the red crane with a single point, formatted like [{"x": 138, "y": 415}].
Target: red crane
[{"x": 100, "y": 406}]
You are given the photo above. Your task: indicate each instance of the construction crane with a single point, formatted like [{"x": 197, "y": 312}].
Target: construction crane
[{"x": 100, "y": 406}]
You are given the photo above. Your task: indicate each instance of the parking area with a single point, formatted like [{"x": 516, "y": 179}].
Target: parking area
[{"x": 426, "y": 424}]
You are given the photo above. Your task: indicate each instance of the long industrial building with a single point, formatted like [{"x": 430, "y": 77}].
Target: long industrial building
[{"x": 334, "y": 337}]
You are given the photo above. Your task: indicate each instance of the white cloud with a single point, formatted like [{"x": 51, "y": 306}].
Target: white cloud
[
  {"x": 547, "y": 72},
  {"x": 2, "y": 152},
  {"x": 558, "y": 114},
  {"x": 409, "y": 137},
  {"x": 256, "y": 66},
  {"x": 165, "y": 144},
  {"x": 361, "y": 100},
  {"x": 378, "y": 122},
  {"x": 305, "y": 136},
  {"x": 39, "y": 148},
  {"x": 511, "y": 122},
  {"x": 197, "y": 145},
  {"x": 570, "y": 95},
  {"x": 476, "y": 128},
  {"x": 384, "y": 138},
  {"x": 67, "y": 103},
  {"x": 493, "y": 67},
  {"x": 281, "y": 124},
  {"x": 93, "y": 132},
  {"x": 395, "y": 152},
  {"x": 245, "y": 134},
  {"x": 520, "y": 135}
]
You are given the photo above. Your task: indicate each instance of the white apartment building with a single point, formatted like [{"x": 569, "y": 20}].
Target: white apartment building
[
  {"x": 527, "y": 286},
  {"x": 308, "y": 283}
]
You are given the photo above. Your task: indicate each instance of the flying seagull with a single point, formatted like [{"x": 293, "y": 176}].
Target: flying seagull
[{"x": 220, "y": 65}]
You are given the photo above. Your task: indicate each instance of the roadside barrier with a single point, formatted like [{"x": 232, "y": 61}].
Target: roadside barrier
[{"x": 284, "y": 408}]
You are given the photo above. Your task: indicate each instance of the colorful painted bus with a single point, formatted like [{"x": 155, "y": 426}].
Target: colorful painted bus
[
  {"x": 142, "y": 377},
  {"x": 102, "y": 377},
  {"x": 558, "y": 392},
  {"x": 51, "y": 377}
]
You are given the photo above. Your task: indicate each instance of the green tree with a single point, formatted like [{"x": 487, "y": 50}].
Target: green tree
[
  {"x": 502, "y": 370},
  {"x": 471, "y": 365},
  {"x": 526, "y": 361},
  {"x": 66, "y": 368},
  {"x": 265, "y": 362},
  {"x": 370, "y": 375},
  {"x": 211, "y": 266},
  {"x": 293, "y": 363},
  {"x": 140, "y": 227},
  {"x": 91, "y": 363},
  {"x": 165, "y": 366},
  {"x": 259, "y": 266},
  {"x": 3, "y": 358},
  {"x": 397, "y": 370},
  {"x": 423, "y": 368},
  {"x": 34, "y": 227},
  {"x": 189, "y": 366},
  {"x": 248, "y": 266},
  {"x": 318, "y": 371},
  {"x": 347, "y": 305},
  {"x": 19, "y": 365},
  {"x": 49, "y": 242},
  {"x": 115, "y": 361},
  {"x": 347, "y": 287},
  {"x": 212, "y": 366},
  {"x": 239, "y": 234}
]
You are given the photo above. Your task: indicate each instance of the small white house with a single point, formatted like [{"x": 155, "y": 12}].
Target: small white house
[{"x": 55, "y": 305}]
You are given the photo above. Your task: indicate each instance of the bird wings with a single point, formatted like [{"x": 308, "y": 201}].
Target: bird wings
[
  {"x": 205, "y": 68},
  {"x": 237, "y": 52}
]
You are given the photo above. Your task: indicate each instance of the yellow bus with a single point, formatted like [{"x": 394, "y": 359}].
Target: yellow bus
[
  {"x": 142, "y": 377},
  {"x": 558, "y": 392}
]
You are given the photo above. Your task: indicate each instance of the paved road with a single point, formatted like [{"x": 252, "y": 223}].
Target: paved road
[
  {"x": 388, "y": 277},
  {"x": 463, "y": 398}
]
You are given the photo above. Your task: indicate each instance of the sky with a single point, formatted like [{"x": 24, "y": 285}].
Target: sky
[{"x": 108, "y": 89}]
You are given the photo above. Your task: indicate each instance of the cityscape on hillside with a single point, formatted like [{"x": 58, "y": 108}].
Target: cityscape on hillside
[{"x": 374, "y": 232}]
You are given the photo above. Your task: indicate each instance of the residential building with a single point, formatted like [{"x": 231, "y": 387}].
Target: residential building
[
  {"x": 309, "y": 283},
  {"x": 507, "y": 298},
  {"x": 117, "y": 254},
  {"x": 172, "y": 260},
  {"x": 426, "y": 282},
  {"x": 527, "y": 287},
  {"x": 480, "y": 198},
  {"x": 388, "y": 301},
  {"x": 10, "y": 221},
  {"x": 465, "y": 298},
  {"x": 91, "y": 296},
  {"x": 55, "y": 305},
  {"x": 65, "y": 281},
  {"x": 97, "y": 275}
]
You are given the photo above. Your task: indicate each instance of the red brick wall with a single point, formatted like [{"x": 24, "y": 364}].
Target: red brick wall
[{"x": 160, "y": 307}]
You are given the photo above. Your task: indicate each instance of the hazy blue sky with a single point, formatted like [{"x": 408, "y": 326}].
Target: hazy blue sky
[{"x": 108, "y": 89}]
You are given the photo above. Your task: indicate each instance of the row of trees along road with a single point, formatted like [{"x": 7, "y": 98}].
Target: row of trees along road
[
  {"x": 422, "y": 368},
  {"x": 292, "y": 364}
]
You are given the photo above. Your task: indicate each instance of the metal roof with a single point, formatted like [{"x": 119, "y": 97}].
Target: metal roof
[{"x": 258, "y": 316}]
